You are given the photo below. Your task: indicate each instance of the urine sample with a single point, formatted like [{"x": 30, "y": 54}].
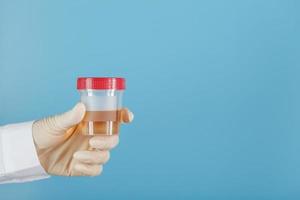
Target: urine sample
[{"x": 102, "y": 97}]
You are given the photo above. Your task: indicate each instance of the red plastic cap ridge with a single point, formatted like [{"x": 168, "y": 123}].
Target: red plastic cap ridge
[{"x": 101, "y": 83}]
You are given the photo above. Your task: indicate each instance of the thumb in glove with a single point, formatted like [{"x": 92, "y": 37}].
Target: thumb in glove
[{"x": 53, "y": 130}]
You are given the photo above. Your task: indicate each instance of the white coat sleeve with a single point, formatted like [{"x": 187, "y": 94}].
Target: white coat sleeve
[{"x": 18, "y": 157}]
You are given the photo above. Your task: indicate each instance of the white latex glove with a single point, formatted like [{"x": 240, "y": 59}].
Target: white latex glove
[{"x": 63, "y": 151}]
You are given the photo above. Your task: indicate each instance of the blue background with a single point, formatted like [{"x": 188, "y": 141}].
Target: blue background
[{"x": 213, "y": 85}]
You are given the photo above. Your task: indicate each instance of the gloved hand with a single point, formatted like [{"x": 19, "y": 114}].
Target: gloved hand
[{"x": 63, "y": 151}]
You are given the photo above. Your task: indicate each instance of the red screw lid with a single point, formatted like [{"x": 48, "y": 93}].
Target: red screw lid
[{"x": 101, "y": 83}]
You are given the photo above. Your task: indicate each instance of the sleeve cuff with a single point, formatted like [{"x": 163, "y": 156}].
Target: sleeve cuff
[{"x": 20, "y": 161}]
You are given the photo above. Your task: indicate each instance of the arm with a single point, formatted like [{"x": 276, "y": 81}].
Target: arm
[
  {"x": 18, "y": 157},
  {"x": 32, "y": 150}
]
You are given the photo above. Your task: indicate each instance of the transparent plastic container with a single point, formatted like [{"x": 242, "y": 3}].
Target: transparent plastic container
[{"x": 102, "y": 97}]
